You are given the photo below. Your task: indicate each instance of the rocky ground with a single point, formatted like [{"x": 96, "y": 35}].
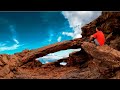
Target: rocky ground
[{"x": 91, "y": 62}]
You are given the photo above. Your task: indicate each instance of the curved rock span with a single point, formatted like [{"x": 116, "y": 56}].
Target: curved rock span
[
  {"x": 72, "y": 44},
  {"x": 26, "y": 56},
  {"x": 91, "y": 62}
]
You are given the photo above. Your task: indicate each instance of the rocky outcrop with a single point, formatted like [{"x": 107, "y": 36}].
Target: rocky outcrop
[
  {"x": 78, "y": 58},
  {"x": 91, "y": 62},
  {"x": 51, "y": 49},
  {"x": 106, "y": 54},
  {"x": 4, "y": 58},
  {"x": 109, "y": 58},
  {"x": 27, "y": 57},
  {"x": 110, "y": 24}
]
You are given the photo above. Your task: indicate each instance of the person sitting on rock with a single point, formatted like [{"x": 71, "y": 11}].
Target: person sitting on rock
[{"x": 98, "y": 37}]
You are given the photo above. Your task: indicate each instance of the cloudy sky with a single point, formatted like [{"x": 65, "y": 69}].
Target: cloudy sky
[{"x": 31, "y": 30}]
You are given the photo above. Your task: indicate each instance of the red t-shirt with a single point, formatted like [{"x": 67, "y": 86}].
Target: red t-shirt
[{"x": 100, "y": 37}]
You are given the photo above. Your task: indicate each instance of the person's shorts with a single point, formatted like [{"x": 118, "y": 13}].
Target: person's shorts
[{"x": 96, "y": 42}]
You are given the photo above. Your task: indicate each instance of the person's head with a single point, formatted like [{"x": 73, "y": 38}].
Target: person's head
[{"x": 98, "y": 29}]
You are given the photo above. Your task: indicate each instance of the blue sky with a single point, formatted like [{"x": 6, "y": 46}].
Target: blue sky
[{"x": 31, "y": 30}]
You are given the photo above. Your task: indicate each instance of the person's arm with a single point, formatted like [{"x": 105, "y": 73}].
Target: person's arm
[{"x": 91, "y": 37}]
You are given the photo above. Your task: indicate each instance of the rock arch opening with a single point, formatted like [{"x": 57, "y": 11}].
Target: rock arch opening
[
  {"x": 37, "y": 53},
  {"x": 56, "y": 56}
]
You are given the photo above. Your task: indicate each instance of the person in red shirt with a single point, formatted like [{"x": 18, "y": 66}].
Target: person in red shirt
[{"x": 98, "y": 37}]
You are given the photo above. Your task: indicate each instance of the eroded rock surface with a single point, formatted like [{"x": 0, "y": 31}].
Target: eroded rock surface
[{"x": 91, "y": 62}]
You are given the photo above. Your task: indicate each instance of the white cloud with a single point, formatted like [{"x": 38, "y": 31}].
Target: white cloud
[
  {"x": 60, "y": 54},
  {"x": 63, "y": 63},
  {"x": 50, "y": 36},
  {"x": 56, "y": 56},
  {"x": 49, "y": 40},
  {"x": 68, "y": 33},
  {"x": 14, "y": 34},
  {"x": 59, "y": 39},
  {"x": 3, "y": 46},
  {"x": 51, "y": 56},
  {"x": 16, "y": 41},
  {"x": 13, "y": 31},
  {"x": 13, "y": 47},
  {"x": 77, "y": 19}
]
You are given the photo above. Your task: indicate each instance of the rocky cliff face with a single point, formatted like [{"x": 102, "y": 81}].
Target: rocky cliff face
[
  {"x": 91, "y": 62},
  {"x": 110, "y": 24}
]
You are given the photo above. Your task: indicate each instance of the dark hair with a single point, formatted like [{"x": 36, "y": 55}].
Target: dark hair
[{"x": 99, "y": 28}]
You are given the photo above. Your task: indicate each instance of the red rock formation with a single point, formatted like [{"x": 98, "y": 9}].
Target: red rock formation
[
  {"x": 104, "y": 53},
  {"x": 25, "y": 57},
  {"x": 52, "y": 48},
  {"x": 110, "y": 24},
  {"x": 92, "y": 62},
  {"x": 109, "y": 58},
  {"x": 77, "y": 58}
]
